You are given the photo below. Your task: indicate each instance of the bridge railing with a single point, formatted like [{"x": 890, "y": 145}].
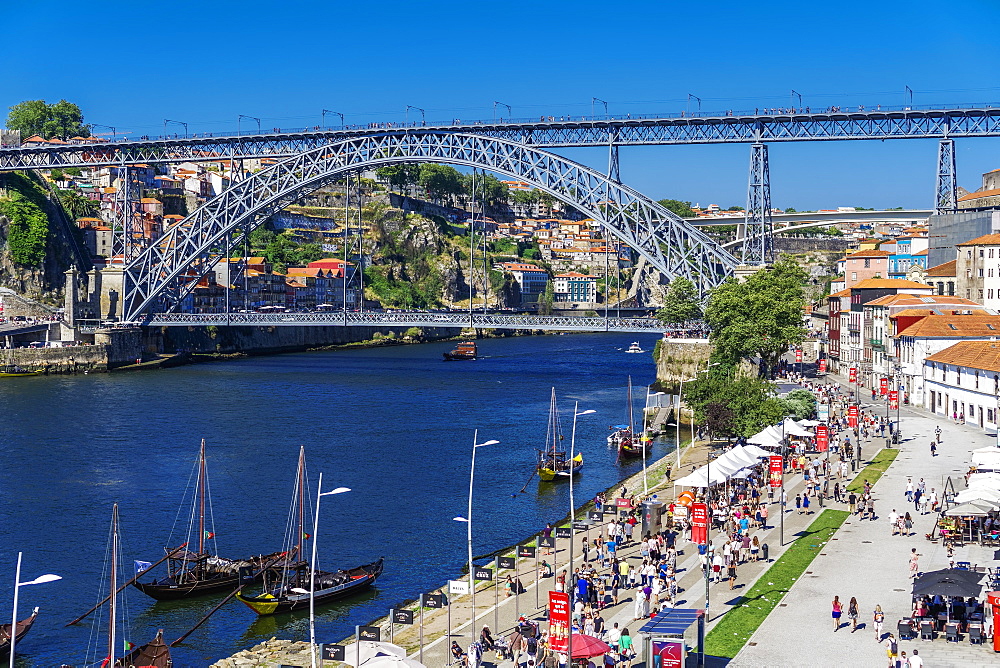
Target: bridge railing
[{"x": 410, "y": 319}]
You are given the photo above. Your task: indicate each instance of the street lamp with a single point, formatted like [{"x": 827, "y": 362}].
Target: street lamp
[
  {"x": 645, "y": 410},
  {"x": 42, "y": 579},
  {"x": 468, "y": 521},
  {"x": 495, "y": 110},
  {"x": 572, "y": 519},
  {"x": 677, "y": 417},
  {"x": 694, "y": 97},
  {"x": 312, "y": 571},
  {"x": 423, "y": 118},
  {"x": 336, "y": 113},
  {"x": 240, "y": 118}
]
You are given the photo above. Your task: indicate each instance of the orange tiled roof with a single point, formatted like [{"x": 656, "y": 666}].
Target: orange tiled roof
[
  {"x": 890, "y": 283},
  {"x": 982, "y": 193},
  {"x": 870, "y": 253},
  {"x": 843, "y": 293},
  {"x": 945, "y": 270},
  {"x": 954, "y": 326},
  {"x": 985, "y": 240},
  {"x": 520, "y": 266},
  {"x": 919, "y": 300},
  {"x": 574, "y": 274},
  {"x": 983, "y": 355},
  {"x": 936, "y": 311}
]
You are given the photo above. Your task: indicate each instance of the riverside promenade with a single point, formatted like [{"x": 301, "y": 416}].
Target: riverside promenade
[
  {"x": 868, "y": 562},
  {"x": 502, "y": 619}
]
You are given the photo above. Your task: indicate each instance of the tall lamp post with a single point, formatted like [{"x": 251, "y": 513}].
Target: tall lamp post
[
  {"x": 645, "y": 410},
  {"x": 468, "y": 522},
  {"x": 572, "y": 520},
  {"x": 312, "y": 569},
  {"x": 42, "y": 579}
]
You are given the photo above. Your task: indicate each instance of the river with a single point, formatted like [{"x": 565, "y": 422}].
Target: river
[{"x": 395, "y": 424}]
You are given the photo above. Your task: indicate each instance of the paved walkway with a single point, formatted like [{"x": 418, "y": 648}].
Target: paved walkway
[{"x": 869, "y": 563}]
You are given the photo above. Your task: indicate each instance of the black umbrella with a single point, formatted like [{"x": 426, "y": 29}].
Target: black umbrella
[
  {"x": 954, "y": 573},
  {"x": 947, "y": 585}
]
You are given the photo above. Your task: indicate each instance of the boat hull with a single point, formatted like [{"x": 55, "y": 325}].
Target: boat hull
[
  {"x": 174, "y": 592},
  {"x": 361, "y": 578},
  {"x": 548, "y": 474},
  {"x": 23, "y": 626}
]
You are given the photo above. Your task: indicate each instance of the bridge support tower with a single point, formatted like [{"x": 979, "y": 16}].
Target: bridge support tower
[
  {"x": 757, "y": 232},
  {"x": 946, "y": 200}
]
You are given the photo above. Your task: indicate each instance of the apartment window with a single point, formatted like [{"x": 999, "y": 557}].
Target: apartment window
[
  {"x": 991, "y": 253},
  {"x": 968, "y": 254},
  {"x": 854, "y": 275},
  {"x": 989, "y": 272},
  {"x": 980, "y": 295},
  {"x": 980, "y": 252},
  {"x": 868, "y": 263},
  {"x": 989, "y": 294},
  {"x": 980, "y": 272},
  {"x": 976, "y": 381},
  {"x": 968, "y": 293},
  {"x": 951, "y": 288},
  {"x": 958, "y": 376}
]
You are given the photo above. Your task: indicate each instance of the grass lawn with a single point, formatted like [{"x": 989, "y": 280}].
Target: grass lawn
[
  {"x": 874, "y": 471},
  {"x": 733, "y": 631}
]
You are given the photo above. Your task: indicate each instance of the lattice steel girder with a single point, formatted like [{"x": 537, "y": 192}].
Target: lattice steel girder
[
  {"x": 758, "y": 232},
  {"x": 970, "y": 122},
  {"x": 402, "y": 319},
  {"x": 173, "y": 264},
  {"x": 947, "y": 184}
]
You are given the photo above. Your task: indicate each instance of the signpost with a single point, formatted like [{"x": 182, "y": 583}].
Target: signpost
[
  {"x": 883, "y": 385},
  {"x": 559, "y": 627},
  {"x": 852, "y": 417},
  {"x": 852, "y": 376},
  {"x": 822, "y": 365}
]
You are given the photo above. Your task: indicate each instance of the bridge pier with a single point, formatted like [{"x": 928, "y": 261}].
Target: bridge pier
[
  {"x": 757, "y": 243},
  {"x": 946, "y": 200}
]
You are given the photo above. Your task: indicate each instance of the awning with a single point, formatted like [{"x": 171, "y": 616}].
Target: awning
[
  {"x": 970, "y": 509},
  {"x": 757, "y": 451},
  {"x": 671, "y": 622},
  {"x": 792, "y": 428}
]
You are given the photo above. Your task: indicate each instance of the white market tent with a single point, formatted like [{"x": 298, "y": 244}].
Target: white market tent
[
  {"x": 983, "y": 495},
  {"x": 732, "y": 464},
  {"x": 971, "y": 509},
  {"x": 757, "y": 451},
  {"x": 792, "y": 428},
  {"x": 769, "y": 437}
]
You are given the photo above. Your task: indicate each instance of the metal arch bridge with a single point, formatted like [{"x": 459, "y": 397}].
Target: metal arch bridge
[
  {"x": 411, "y": 319},
  {"x": 171, "y": 266},
  {"x": 901, "y": 123}
]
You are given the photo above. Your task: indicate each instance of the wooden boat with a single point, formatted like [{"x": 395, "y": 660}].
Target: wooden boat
[
  {"x": 463, "y": 351},
  {"x": 286, "y": 586},
  {"x": 199, "y": 573},
  {"x": 154, "y": 653},
  {"x": 15, "y": 372},
  {"x": 23, "y": 626},
  {"x": 629, "y": 444},
  {"x": 553, "y": 464}
]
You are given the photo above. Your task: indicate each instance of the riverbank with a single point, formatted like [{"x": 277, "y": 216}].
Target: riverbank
[{"x": 437, "y": 624}]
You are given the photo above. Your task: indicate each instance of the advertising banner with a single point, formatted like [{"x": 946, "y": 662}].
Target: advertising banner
[
  {"x": 853, "y": 375},
  {"x": 373, "y": 633},
  {"x": 668, "y": 653},
  {"x": 883, "y": 385},
  {"x": 822, "y": 365},
  {"x": 699, "y": 523},
  {"x": 402, "y": 616},
  {"x": 506, "y": 562},
  {"x": 852, "y": 417},
  {"x": 823, "y": 412},
  {"x": 434, "y": 600},
  {"x": 559, "y": 621},
  {"x": 775, "y": 469},
  {"x": 798, "y": 354},
  {"x": 458, "y": 587},
  {"x": 526, "y": 551},
  {"x": 893, "y": 399},
  {"x": 623, "y": 503},
  {"x": 822, "y": 437}
]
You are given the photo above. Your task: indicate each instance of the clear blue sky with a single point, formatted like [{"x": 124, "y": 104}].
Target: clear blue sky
[{"x": 132, "y": 64}]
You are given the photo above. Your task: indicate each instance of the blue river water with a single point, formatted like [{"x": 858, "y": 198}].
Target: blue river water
[{"x": 394, "y": 424}]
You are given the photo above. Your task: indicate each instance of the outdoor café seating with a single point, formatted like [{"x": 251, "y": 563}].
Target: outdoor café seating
[
  {"x": 904, "y": 629},
  {"x": 926, "y": 630},
  {"x": 951, "y": 632},
  {"x": 976, "y": 633}
]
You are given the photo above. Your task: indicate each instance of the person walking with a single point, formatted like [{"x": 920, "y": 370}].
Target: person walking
[
  {"x": 878, "y": 618},
  {"x": 625, "y": 648},
  {"x": 805, "y": 505},
  {"x": 852, "y": 613},
  {"x": 798, "y": 504},
  {"x": 852, "y": 501},
  {"x": 914, "y": 562},
  {"x": 933, "y": 448},
  {"x": 891, "y": 649},
  {"x": 838, "y": 610},
  {"x": 732, "y": 574}
]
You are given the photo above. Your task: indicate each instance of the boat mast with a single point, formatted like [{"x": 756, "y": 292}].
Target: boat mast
[
  {"x": 112, "y": 609},
  {"x": 302, "y": 491},
  {"x": 631, "y": 421},
  {"x": 201, "y": 499}
]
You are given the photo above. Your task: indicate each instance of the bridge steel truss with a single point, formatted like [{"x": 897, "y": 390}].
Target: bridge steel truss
[
  {"x": 167, "y": 270},
  {"x": 411, "y": 319},
  {"x": 612, "y": 132}
]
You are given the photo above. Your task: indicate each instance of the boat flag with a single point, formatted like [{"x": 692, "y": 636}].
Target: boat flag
[
  {"x": 306, "y": 536},
  {"x": 128, "y": 646},
  {"x": 209, "y": 534},
  {"x": 141, "y": 566}
]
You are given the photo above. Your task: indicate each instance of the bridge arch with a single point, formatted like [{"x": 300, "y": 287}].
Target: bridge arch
[{"x": 171, "y": 267}]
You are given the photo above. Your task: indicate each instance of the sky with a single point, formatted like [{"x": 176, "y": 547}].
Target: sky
[{"x": 133, "y": 64}]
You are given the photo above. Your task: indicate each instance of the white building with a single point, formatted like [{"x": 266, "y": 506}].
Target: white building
[{"x": 964, "y": 380}]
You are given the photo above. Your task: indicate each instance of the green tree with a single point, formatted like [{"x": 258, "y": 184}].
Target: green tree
[
  {"x": 750, "y": 402},
  {"x": 760, "y": 317},
  {"x": 800, "y": 404},
  {"x": 35, "y": 117},
  {"x": 546, "y": 301},
  {"x": 735, "y": 207},
  {"x": 440, "y": 181},
  {"x": 682, "y": 209},
  {"x": 681, "y": 303},
  {"x": 28, "y": 224},
  {"x": 399, "y": 176},
  {"x": 78, "y": 206},
  {"x": 790, "y": 210}
]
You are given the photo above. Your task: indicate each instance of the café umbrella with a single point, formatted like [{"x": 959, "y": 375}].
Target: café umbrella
[
  {"x": 975, "y": 508},
  {"x": 585, "y": 646},
  {"x": 948, "y": 583},
  {"x": 371, "y": 649}
]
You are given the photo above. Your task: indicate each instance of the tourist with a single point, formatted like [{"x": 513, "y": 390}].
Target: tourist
[
  {"x": 755, "y": 549},
  {"x": 612, "y": 638},
  {"x": 915, "y": 660},
  {"x": 891, "y": 649},
  {"x": 852, "y": 614},
  {"x": 625, "y": 647},
  {"x": 838, "y": 609},
  {"x": 878, "y": 618},
  {"x": 914, "y": 562},
  {"x": 933, "y": 448},
  {"x": 732, "y": 574}
]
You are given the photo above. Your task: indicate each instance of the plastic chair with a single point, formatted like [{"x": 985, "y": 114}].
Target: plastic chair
[
  {"x": 963, "y": 565},
  {"x": 926, "y": 630},
  {"x": 951, "y": 632},
  {"x": 904, "y": 630},
  {"x": 975, "y": 634}
]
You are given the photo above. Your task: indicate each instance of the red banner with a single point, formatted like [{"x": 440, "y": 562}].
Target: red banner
[
  {"x": 775, "y": 467},
  {"x": 623, "y": 503},
  {"x": 822, "y": 365},
  {"x": 798, "y": 354},
  {"x": 670, "y": 653},
  {"x": 559, "y": 621},
  {"x": 822, "y": 437},
  {"x": 699, "y": 523},
  {"x": 883, "y": 385},
  {"x": 853, "y": 375},
  {"x": 852, "y": 417},
  {"x": 893, "y": 399}
]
